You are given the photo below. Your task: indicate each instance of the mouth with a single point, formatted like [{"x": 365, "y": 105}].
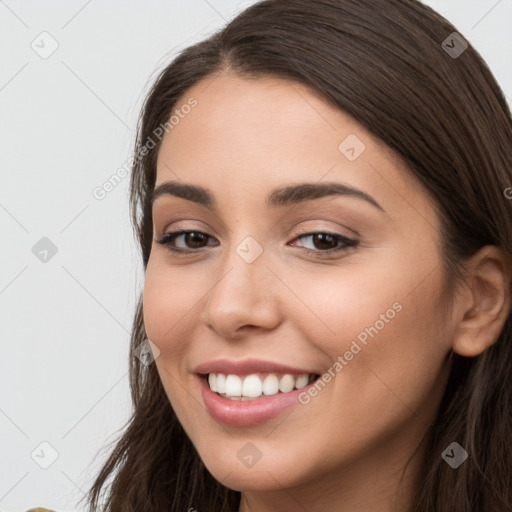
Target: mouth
[
  {"x": 256, "y": 386},
  {"x": 246, "y": 392},
  {"x": 225, "y": 395}
]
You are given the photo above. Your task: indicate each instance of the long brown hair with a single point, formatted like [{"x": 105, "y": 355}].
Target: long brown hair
[{"x": 384, "y": 63}]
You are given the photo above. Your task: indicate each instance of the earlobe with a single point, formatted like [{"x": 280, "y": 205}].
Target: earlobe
[{"x": 485, "y": 304}]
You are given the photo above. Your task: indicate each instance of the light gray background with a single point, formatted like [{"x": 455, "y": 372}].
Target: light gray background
[{"x": 68, "y": 123}]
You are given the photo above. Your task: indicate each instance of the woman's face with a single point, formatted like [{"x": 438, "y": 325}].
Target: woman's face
[{"x": 264, "y": 292}]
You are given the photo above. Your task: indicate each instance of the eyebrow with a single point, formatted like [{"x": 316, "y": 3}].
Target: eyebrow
[{"x": 279, "y": 197}]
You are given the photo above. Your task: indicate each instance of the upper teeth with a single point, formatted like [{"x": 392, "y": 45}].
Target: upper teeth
[{"x": 253, "y": 386}]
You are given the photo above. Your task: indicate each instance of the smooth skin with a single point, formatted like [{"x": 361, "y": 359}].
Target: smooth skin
[{"x": 347, "y": 448}]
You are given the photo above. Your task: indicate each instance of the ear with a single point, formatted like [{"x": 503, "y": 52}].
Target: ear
[{"x": 484, "y": 304}]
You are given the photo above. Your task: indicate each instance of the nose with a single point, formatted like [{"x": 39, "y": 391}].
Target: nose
[{"x": 244, "y": 297}]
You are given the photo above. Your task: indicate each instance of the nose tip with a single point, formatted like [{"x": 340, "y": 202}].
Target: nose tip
[{"x": 241, "y": 301}]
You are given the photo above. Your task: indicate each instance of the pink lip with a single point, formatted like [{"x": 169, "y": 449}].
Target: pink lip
[
  {"x": 238, "y": 413},
  {"x": 246, "y": 367}
]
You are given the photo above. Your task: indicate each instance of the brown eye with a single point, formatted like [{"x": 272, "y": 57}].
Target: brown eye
[
  {"x": 324, "y": 241},
  {"x": 193, "y": 240},
  {"x": 327, "y": 243}
]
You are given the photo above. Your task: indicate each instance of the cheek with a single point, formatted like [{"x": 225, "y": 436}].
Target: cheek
[
  {"x": 383, "y": 336},
  {"x": 169, "y": 299},
  {"x": 384, "y": 304},
  {"x": 349, "y": 304},
  {"x": 168, "y": 306}
]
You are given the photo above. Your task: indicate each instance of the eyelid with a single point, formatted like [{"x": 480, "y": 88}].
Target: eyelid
[{"x": 316, "y": 229}]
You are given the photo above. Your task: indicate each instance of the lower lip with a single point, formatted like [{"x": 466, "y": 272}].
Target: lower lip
[{"x": 238, "y": 413}]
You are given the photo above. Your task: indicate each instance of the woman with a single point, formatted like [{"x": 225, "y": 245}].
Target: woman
[{"x": 319, "y": 193}]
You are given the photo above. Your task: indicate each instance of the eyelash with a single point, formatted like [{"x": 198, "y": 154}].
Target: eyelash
[{"x": 348, "y": 243}]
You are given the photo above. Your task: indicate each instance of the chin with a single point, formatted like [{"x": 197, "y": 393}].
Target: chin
[{"x": 268, "y": 473}]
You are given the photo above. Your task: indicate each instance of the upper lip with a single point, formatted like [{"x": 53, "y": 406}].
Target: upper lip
[{"x": 247, "y": 366}]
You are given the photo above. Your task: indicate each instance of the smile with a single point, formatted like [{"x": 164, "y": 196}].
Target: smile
[
  {"x": 256, "y": 385},
  {"x": 250, "y": 391}
]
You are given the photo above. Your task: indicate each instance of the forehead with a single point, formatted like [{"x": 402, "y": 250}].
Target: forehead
[
  {"x": 259, "y": 133},
  {"x": 259, "y": 116}
]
